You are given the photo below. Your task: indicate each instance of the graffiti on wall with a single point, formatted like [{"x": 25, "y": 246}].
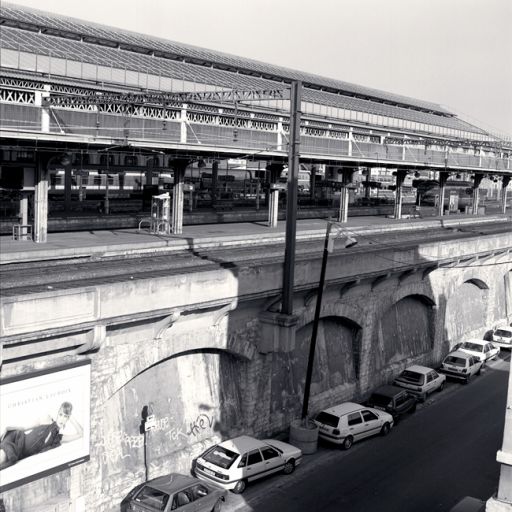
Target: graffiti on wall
[{"x": 118, "y": 444}]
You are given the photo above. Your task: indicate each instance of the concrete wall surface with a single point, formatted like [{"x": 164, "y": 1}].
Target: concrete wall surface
[{"x": 193, "y": 347}]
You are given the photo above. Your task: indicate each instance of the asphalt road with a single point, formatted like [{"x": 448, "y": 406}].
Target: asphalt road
[{"x": 434, "y": 457}]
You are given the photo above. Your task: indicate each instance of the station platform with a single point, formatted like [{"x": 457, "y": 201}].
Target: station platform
[{"x": 131, "y": 242}]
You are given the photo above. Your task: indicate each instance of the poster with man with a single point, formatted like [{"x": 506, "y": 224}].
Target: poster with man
[{"x": 44, "y": 423}]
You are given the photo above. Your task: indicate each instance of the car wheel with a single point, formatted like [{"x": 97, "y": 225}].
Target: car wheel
[
  {"x": 441, "y": 387},
  {"x": 218, "y": 506},
  {"x": 239, "y": 487},
  {"x": 289, "y": 467},
  {"x": 347, "y": 443},
  {"x": 384, "y": 431},
  {"x": 468, "y": 378},
  {"x": 479, "y": 371}
]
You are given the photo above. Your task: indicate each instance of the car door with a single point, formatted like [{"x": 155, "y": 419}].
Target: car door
[
  {"x": 475, "y": 364},
  {"x": 491, "y": 350},
  {"x": 356, "y": 426},
  {"x": 272, "y": 459},
  {"x": 371, "y": 423},
  {"x": 183, "y": 501},
  {"x": 203, "y": 498},
  {"x": 430, "y": 382},
  {"x": 255, "y": 466},
  {"x": 400, "y": 403}
]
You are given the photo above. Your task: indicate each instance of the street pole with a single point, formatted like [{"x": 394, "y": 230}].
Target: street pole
[
  {"x": 291, "y": 200},
  {"x": 318, "y": 308}
]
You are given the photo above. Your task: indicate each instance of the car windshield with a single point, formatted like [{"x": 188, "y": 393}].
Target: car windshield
[
  {"x": 327, "y": 419},
  {"x": 220, "y": 456},
  {"x": 475, "y": 347},
  {"x": 413, "y": 377},
  {"x": 378, "y": 399},
  {"x": 503, "y": 332},
  {"x": 276, "y": 448},
  {"x": 455, "y": 361},
  {"x": 153, "y": 498}
]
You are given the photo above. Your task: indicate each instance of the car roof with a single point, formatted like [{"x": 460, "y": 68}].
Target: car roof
[
  {"x": 344, "y": 408},
  {"x": 459, "y": 353},
  {"x": 389, "y": 390},
  {"x": 477, "y": 341},
  {"x": 172, "y": 482},
  {"x": 419, "y": 369},
  {"x": 241, "y": 444}
]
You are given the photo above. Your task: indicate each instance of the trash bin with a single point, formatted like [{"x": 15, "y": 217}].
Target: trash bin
[{"x": 481, "y": 210}]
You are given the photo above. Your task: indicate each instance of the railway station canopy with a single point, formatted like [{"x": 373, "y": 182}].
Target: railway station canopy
[{"x": 45, "y": 55}]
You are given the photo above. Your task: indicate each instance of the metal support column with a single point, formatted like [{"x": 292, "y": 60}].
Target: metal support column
[
  {"x": 179, "y": 166},
  {"x": 312, "y": 183},
  {"x": 273, "y": 206},
  {"x": 343, "y": 211},
  {"x": 476, "y": 193},
  {"x": 67, "y": 188},
  {"x": 504, "y": 184},
  {"x": 400, "y": 177},
  {"x": 275, "y": 170},
  {"x": 41, "y": 200},
  {"x": 443, "y": 177},
  {"x": 291, "y": 199},
  {"x": 215, "y": 177}
]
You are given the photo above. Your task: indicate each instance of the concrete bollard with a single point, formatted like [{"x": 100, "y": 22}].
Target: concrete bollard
[{"x": 304, "y": 436}]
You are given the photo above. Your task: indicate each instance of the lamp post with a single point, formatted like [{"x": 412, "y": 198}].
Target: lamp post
[{"x": 328, "y": 247}]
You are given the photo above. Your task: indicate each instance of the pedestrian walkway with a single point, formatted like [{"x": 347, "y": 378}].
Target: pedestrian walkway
[{"x": 123, "y": 242}]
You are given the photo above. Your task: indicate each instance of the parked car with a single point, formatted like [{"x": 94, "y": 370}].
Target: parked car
[
  {"x": 461, "y": 365},
  {"x": 420, "y": 381},
  {"x": 482, "y": 349},
  {"x": 502, "y": 337},
  {"x": 233, "y": 463},
  {"x": 346, "y": 423},
  {"x": 174, "y": 492},
  {"x": 394, "y": 400}
]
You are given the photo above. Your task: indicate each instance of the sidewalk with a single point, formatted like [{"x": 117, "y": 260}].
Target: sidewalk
[{"x": 103, "y": 243}]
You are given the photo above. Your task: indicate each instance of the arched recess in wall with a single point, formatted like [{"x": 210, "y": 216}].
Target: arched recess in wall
[
  {"x": 336, "y": 363},
  {"x": 466, "y": 310},
  {"x": 194, "y": 396},
  {"x": 502, "y": 298},
  {"x": 405, "y": 330}
]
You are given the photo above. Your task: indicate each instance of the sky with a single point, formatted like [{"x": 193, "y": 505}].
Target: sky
[{"x": 457, "y": 53}]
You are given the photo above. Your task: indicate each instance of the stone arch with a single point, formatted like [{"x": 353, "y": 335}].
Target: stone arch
[
  {"x": 336, "y": 365},
  {"x": 466, "y": 308},
  {"x": 196, "y": 398},
  {"x": 421, "y": 289},
  {"x": 336, "y": 308},
  {"x": 478, "y": 282},
  {"x": 405, "y": 329},
  {"x": 155, "y": 351}
]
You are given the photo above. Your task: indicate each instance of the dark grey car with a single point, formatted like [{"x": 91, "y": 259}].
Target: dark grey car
[
  {"x": 394, "y": 400},
  {"x": 182, "y": 493}
]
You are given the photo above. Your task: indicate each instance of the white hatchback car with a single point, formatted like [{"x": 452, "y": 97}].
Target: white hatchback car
[
  {"x": 233, "y": 463},
  {"x": 482, "y": 349},
  {"x": 420, "y": 381},
  {"x": 349, "y": 422},
  {"x": 461, "y": 365},
  {"x": 502, "y": 337}
]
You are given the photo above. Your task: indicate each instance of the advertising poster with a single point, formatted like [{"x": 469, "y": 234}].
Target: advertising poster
[{"x": 44, "y": 423}]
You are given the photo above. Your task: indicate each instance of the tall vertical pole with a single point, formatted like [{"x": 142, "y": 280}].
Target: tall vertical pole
[
  {"x": 443, "y": 177},
  {"x": 41, "y": 200},
  {"x": 504, "y": 184},
  {"x": 318, "y": 308},
  {"x": 291, "y": 200}
]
